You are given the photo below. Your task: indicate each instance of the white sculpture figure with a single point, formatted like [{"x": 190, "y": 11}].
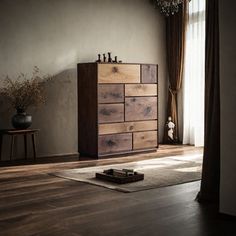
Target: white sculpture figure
[{"x": 170, "y": 126}]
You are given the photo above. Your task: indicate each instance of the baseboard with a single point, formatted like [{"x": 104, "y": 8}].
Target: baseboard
[
  {"x": 75, "y": 154},
  {"x": 54, "y": 158}
]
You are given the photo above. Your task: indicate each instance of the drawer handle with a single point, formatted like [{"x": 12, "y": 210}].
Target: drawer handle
[
  {"x": 116, "y": 95},
  {"x": 107, "y": 112},
  {"x": 147, "y": 110},
  {"x": 114, "y": 69},
  {"x": 110, "y": 143}
]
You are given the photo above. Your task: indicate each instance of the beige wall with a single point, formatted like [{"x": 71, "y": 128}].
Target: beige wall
[
  {"x": 228, "y": 106},
  {"x": 55, "y": 35}
]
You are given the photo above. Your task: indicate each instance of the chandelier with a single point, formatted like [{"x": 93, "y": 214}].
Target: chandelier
[{"x": 168, "y": 7}]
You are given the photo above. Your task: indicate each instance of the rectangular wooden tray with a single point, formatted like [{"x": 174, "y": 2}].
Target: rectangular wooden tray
[{"x": 120, "y": 180}]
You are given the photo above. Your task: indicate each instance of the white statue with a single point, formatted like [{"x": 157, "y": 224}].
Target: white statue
[{"x": 170, "y": 126}]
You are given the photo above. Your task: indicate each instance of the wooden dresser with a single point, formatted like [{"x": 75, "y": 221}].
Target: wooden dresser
[{"x": 117, "y": 108}]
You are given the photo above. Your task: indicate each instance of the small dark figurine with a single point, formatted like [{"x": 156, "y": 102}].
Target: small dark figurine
[
  {"x": 104, "y": 57},
  {"x": 115, "y": 61},
  {"x": 109, "y": 57},
  {"x": 99, "y": 58}
]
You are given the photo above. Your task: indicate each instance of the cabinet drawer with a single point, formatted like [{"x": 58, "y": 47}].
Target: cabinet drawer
[
  {"x": 146, "y": 139},
  {"x": 118, "y": 73},
  {"x": 149, "y": 74},
  {"x": 108, "y": 113},
  {"x": 110, "y": 93},
  {"x": 127, "y": 127},
  {"x": 114, "y": 143},
  {"x": 140, "y": 108},
  {"x": 140, "y": 90}
]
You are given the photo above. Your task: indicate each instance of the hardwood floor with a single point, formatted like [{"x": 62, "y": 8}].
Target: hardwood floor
[
  {"x": 72, "y": 161},
  {"x": 32, "y": 202}
]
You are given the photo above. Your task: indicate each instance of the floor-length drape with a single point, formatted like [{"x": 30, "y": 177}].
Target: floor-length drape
[
  {"x": 211, "y": 159},
  {"x": 175, "y": 41},
  {"x": 194, "y": 76}
]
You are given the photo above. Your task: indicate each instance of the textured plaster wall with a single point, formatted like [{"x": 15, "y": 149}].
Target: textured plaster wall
[{"x": 55, "y": 35}]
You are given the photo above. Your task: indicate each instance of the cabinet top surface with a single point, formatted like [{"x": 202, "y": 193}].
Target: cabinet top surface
[{"x": 109, "y": 63}]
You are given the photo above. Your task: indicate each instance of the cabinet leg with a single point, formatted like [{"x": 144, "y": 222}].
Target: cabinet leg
[
  {"x": 25, "y": 143},
  {"x": 0, "y": 147},
  {"x": 34, "y": 146},
  {"x": 12, "y": 146}
]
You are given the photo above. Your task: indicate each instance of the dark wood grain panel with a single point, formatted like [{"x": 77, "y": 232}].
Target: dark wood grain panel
[
  {"x": 110, "y": 93},
  {"x": 149, "y": 73},
  {"x": 87, "y": 108},
  {"x": 115, "y": 143},
  {"x": 108, "y": 113},
  {"x": 145, "y": 139},
  {"x": 140, "y": 108},
  {"x": 118, "y": 73}
]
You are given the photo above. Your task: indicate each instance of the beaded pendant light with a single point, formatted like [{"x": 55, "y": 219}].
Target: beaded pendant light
[{"x": 168, "y": 7}]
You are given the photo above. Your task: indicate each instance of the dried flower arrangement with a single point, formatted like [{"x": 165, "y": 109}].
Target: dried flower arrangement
[{"x": 24, "y": 92}]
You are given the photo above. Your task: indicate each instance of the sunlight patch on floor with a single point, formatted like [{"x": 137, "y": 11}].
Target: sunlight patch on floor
[{"x": 189, "y": 169}]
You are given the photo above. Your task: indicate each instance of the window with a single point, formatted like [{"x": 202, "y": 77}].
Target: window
[{"x": 194, "y": 76}]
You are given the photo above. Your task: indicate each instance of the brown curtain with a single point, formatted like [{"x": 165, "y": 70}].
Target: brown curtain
[
  {"x": 211, "y": 159},
  {"x": 175, "y": 40}
]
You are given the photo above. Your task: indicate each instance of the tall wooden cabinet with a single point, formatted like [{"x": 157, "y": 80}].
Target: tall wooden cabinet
[{"x": 117, "y": 108}]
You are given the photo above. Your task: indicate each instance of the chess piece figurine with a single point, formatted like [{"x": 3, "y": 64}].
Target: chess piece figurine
[
  {"x": 99, "y": 58},
  {"x": 115, "y": 61},
  {"x": 104, "y": 57},
  {"x": 109, "y": 57}
]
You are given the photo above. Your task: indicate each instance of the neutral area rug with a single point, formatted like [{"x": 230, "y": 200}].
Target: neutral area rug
[{"x": 158, "y": 172}]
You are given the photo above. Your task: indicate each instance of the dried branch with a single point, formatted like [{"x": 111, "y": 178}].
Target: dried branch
[{"x": 24, "y": 92}]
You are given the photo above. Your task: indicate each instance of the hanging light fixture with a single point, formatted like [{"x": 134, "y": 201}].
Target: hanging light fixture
[{"x": 168, "y": 7}]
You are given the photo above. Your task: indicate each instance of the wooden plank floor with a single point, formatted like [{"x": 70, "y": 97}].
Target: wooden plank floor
[{"x": 32, "y": 202}]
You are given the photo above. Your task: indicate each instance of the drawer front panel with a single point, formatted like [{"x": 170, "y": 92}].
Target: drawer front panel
[
  {"x": 110, "y": 93},
  {"x": 114, "y": 143},
  {"x": 149, "y": 73},
  {"x": 108, "y": 113},
  {"x": 140, "y": 108},
  {"x": 127, "y": 127},
  {"x": 118, "y": 73},
  {"x": 145, "y": 139},
  {"x": 140, "y": 90}
]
